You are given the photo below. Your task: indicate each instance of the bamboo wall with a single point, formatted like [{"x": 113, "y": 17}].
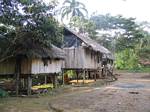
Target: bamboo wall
[
  {"x": 54, "y": 66},
  {"x": 34, "y": 66},
  {"x": 80, "y": 58},
  {"x": 7, "y": 67}
]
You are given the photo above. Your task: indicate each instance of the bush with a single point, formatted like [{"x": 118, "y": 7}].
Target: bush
[{"x": 127, "y": 60}]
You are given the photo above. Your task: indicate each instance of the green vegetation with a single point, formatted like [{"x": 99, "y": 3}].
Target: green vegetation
[
  {"x": 33, "y": 21},
  {"x": 83, "y": 26},
  {"x": 127, "y": 59},
  {"x": 29, "y": 22},
  {"x": 126, "y": 38}
]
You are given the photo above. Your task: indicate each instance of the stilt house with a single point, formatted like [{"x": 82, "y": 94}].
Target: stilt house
[
  {"x": 31, "y": 59},
  {"x": 82, "y": 53}
]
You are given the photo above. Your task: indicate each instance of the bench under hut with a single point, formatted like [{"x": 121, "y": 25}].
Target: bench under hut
[{"x": 29, "y": 59}]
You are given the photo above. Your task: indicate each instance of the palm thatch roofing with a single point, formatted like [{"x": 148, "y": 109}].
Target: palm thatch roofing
[
  {"x": 92, "y": 44},
  {"x": 31, "y": 49}
]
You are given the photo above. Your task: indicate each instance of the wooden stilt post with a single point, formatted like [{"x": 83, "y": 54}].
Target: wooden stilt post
[
  {"x": 17, "y": 84},
  {"x": 77, "y": 72},
  {"x": 83, "y": 76},
  {"x": 23, "y": 83},
  {"x": 63, "y": 80},
  {"x": 29, "y": 84},
  {"x": 45, "y": 79},
  {"x": 18, "y": 72},
  {"x": 87, "y": 77},
  {"x": 95, "y": 75},
  {"x": 54, "y": 81}
]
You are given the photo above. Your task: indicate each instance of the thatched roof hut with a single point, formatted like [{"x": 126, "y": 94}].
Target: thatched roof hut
[
  {"x": 90, "y": 43},
  {"x": 27, "y": 58},
  {"x": 29, "y": 49},
  {"x": 35, "y": 58},
  {"x": 82, "y": 52}
]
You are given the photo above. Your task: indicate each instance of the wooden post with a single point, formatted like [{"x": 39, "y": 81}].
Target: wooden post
[
  {"x": 87, "y": 74},
  {"x": 45, "y": 79},
  {"x": 83, "y": 76},
  {"x": 17, "y": 71},
  {"x": 94, "y": 75},
  {"x": 17, "y": 84},
  {"x": 63, "y": 80},
  {"x": 77, "y": 76},
  {"x": 54, "y": 80},
  {"x": 29, "y": 85},
  {"x": 23, "y": 83}
]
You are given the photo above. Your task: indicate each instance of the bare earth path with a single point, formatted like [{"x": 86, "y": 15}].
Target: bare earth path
[{"x": 131, "y": 93}]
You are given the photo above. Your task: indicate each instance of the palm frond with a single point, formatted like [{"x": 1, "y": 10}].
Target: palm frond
[
  {"x": 65, "y": 12},
  {"x": 80, "y": 4},
  {"x": 67, "y": 1},
  {"x": 79, "y": 13},
  {"x": 85, "y": 10}
]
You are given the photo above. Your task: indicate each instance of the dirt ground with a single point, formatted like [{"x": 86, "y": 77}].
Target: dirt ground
[{"x": 131, "y": 93}]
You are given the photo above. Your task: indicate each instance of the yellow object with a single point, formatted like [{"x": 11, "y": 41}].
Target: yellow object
[
  {"x": 81, "y": 81},
  {"x": 44, "y": 86}
]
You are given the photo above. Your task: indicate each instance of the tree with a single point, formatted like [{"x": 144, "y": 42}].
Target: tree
[
  {"x": 126, "y": 37},
  {"x": 22, "y": 20},
  {"x": 83, "y": 26},
  {"x": 73, "y": 8},
  {"x": 126, "y": 31}
]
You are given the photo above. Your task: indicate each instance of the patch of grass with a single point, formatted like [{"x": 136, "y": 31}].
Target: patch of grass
[{"x": 141, "y": 70}]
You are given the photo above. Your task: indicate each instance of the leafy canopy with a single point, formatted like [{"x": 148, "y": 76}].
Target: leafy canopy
[
  {"x": 125, "y": 31},
  {"x": 21, "y": 20},
  {"x": 83, "y": 26}
]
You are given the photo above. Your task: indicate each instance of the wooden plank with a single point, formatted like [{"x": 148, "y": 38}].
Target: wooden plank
[
  {"x": 8, "y": 66},
  {"x": 73, "y": 57},
  {"x": 54, "y": 66},
  {"x": 26, "y": 66},
  {"x": 83, "y": 76}
]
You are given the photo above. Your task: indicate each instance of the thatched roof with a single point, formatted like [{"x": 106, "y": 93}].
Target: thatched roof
[
  {"x": 92, "y": 43},
  {"x": 31, "y": 49}
]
